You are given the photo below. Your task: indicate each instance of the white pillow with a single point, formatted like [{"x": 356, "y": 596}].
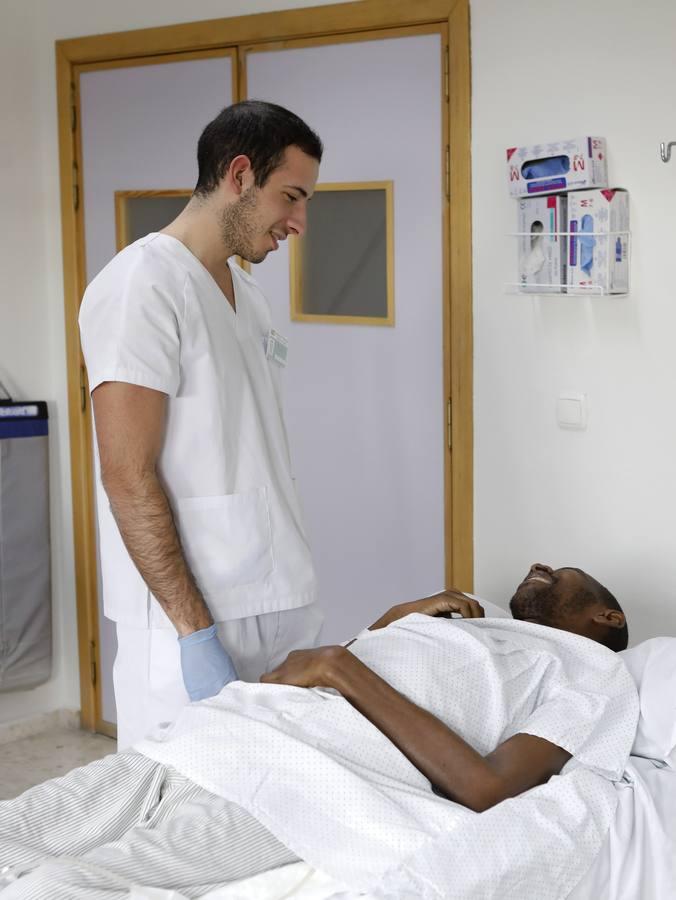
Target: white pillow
[{"x": 652, "y": 664}]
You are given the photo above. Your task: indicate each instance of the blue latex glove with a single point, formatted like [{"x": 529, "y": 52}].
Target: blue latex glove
[
  {"x": 548, "y": 167},
  {"x": 205, "y": 664},
  {"x": 587, "y": 244}
]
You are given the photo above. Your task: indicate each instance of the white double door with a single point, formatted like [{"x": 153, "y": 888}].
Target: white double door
[{"x": 364, "y": 404}]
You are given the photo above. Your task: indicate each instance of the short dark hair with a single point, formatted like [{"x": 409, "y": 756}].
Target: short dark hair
[{"x": 262, "y": 131}]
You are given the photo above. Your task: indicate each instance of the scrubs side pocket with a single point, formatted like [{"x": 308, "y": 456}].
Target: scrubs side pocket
[{"x": 227, "y": 541}]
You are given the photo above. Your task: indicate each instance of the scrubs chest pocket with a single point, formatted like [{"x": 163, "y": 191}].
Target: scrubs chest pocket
[{"x": 227, "y": 540}]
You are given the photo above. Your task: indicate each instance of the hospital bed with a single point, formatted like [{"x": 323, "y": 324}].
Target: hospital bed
[{"x": 638, "y": 858}]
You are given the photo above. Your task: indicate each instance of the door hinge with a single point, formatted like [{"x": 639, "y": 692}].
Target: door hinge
[
  {"x": 76, "y": 187},
  {"x": 447, "y": 77},
  {"x": 447, "y": 186},
  {"x": 73, "y": 109},
  {"x": 449, "y": 424},
  {"x": 92, "y": 661},
  {"x": 83, "y": 389}
]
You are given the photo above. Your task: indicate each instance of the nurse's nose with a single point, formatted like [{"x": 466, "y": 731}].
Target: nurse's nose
[{"x": 297, "y": 221}]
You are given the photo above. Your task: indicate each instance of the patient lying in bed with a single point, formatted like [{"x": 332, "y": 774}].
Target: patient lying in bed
[{"x": 369, "y": 762}]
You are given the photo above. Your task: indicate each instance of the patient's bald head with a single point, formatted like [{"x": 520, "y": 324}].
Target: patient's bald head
[{"x": 573, "y": 601}]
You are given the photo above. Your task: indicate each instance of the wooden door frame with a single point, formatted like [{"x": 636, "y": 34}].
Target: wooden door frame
[{"x": 154, "y": 45}]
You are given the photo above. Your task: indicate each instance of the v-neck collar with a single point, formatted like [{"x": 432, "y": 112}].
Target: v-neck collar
[{"x": 236, "y": 310}]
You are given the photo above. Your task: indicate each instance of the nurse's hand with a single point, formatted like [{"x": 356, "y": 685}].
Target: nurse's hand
[
  {"x": 444, "y": 604},
  {"x": 205, "y": 665},
  {"x": 309, "y": 668}
]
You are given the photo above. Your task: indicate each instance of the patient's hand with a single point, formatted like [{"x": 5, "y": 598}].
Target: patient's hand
[
  {"x": 444, "y": 604},
  {"x": 308, "y": 668}
]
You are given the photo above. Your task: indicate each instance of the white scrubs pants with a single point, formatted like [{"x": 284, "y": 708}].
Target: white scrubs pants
[{"x": 147, "y": 671}]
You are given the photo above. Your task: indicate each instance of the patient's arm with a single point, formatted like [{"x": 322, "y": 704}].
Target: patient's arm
[
  {"x": 452, "y": 766},
  {"x": 443, "y": 604}
]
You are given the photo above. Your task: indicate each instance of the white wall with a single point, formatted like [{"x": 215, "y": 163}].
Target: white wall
[
  {"x": 32, "y": 337},
  {"x": 603, "y": 499}
]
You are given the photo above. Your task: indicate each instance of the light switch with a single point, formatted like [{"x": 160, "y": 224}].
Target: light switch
[{"x": 571, "y": 410}]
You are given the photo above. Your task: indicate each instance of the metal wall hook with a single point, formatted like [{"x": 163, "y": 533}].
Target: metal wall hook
[{"x": 665, "y": 150}]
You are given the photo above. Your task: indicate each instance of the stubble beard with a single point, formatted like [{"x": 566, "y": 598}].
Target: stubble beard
[
  {"x": 238, "y": 222},
  {"x": 534, "y": 602}
]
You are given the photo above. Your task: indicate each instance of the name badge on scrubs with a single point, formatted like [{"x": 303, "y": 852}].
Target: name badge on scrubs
[{"x": 276, "y": 347}]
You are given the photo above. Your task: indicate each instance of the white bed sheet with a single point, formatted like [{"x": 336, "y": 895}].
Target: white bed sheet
[
  {"x": 637, "y": 861},
  {"x": 638, "y": 858}
]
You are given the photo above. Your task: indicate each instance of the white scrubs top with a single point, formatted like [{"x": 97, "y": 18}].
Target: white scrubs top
[{"x": 155, "y": 317}]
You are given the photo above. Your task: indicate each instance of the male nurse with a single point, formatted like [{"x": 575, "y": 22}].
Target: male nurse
[{"x": 205, "y": 564}]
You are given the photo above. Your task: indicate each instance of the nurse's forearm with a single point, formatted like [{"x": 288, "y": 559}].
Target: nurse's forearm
[{"x": 146, "y": 523}]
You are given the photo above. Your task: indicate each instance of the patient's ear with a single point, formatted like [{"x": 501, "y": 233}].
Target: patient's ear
[{"x": 611, "y": 618}]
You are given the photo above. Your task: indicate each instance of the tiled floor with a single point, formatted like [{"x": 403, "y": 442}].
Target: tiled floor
[{"x": 30, "y": 760}]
